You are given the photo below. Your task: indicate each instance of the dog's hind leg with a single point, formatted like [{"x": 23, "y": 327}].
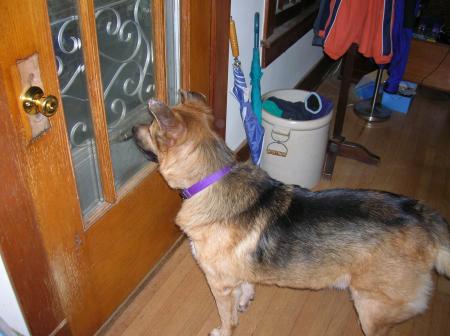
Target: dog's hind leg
[
  {"x": 247, "y": 295},
  {"x": 370, "y": 313},
  {"x": 378, "y": 313}
]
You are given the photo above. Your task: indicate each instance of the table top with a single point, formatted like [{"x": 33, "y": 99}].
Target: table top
[{"x": 429, "y": 64}]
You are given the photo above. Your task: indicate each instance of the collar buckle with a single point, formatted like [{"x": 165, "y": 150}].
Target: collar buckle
[{"x": 185, "y": 194}]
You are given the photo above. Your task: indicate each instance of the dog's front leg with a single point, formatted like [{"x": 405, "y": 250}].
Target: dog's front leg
[{"x": 225, "y": 301}]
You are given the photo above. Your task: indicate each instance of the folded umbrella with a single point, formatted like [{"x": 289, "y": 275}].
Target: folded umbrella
[{"x": 253, "y": 129}]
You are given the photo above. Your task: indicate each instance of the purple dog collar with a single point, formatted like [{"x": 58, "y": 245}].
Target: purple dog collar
[{"x": 206, "y": 182}]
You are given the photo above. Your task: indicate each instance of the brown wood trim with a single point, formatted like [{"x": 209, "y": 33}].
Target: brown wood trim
[
  {"x": 287, "y": 14},
  {"x": 21, "y": 245},
  {"x": 280, "y": 41},
  {"x": 242, "y": 153},
  {"x": 62, "y": 329},
  {"x": 185, "y": 44},
  {"x": 159, "y": 36},
  {"x": 269, "y": 25},
  {"x": 220, "y": 27},
  {"x": 93, "y": 76},
  {"x": 204, "y": 53},
  {"x": 316, "y": 76},
  {"x": 199, "y": 41}
]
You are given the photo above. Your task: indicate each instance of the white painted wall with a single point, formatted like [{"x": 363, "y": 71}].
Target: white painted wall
[
  {"x": 285, "y": 72},
  {"x": 9, "y": 307}
]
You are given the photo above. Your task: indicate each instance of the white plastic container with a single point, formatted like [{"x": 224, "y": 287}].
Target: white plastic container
[{"x": 294, "y": 151}]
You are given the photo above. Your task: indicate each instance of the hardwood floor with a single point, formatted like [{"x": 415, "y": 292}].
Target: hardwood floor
[{"x": 415, "y": 161}]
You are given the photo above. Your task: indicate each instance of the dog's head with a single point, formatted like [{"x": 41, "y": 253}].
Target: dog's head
[{"x": 181, "y": 139}]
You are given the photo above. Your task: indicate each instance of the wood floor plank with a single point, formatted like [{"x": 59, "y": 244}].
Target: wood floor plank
[
  {"x": 277, "y": 320},
  {"x": 250, "y": 320},
  {"x": 440, "y": 318}
]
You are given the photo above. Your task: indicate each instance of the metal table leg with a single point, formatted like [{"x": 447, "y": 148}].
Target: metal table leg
[{"x": 371, "y": 109}]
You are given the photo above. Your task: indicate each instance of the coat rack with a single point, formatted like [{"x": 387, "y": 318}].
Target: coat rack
[{"x": 338, "y": 145}]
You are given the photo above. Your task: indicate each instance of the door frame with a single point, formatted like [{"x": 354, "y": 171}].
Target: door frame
[
  {"x": 21, "y": 244},
  {"x": 205, "y": 27}
]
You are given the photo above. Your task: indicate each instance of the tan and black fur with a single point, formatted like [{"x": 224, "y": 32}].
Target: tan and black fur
[{"x": 248, "y": 228}]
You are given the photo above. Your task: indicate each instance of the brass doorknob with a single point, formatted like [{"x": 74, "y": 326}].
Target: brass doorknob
[{"x": 34, "y": 102}]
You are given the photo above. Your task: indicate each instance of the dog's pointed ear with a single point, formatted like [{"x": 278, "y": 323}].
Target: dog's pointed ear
[
  {"x": 162, "y": 113},
  {"x": 171, "y": 126},
  {"x": 192, "y": 96}
]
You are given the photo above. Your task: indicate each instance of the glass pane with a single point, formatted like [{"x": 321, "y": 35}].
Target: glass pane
[
  {"x": 72, "y": 81},
  {"x": 125, "y": 43}
]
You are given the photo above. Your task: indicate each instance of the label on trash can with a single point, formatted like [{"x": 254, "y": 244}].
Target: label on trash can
[
  {"x": 277, "y": 153},
  {"x": 280, "y": 151}
]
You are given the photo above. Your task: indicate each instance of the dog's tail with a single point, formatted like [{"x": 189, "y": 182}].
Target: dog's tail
[
  {"x": 442, "y": 263},
  {"x": 440, "y": 230}
]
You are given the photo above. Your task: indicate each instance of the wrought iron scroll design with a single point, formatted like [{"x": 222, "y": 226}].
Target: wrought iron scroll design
[{"x": 126, "y": 56}]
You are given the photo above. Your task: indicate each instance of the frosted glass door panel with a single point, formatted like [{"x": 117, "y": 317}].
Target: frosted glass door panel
[
  {"x": 124, "y": 34},
  {"x": 126, "y": 53},
  {"x": 67, "y": 46}
]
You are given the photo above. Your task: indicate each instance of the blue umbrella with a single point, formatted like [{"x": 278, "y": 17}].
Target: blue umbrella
[
  {"x": 255, "y": 73},
  {"x": 253, "y": 129}
]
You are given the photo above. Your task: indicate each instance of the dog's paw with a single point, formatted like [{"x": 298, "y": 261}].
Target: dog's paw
[
  {"x": 219, "y": 332},
  {"x": 244, "y": 306},
  {"x": 248, "y": 294}
]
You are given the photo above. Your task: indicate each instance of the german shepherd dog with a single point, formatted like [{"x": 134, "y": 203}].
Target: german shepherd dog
[{"x": 247, "y": 228}]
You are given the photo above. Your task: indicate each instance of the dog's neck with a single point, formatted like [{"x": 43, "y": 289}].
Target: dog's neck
[
  {"x": 205, "y": 182},
  {"x": 196, "y": 161}
]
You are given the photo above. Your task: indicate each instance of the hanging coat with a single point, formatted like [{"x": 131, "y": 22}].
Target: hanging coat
[
  {"x": 367, "y": 23},
  {"x": 405, "y": 14}
]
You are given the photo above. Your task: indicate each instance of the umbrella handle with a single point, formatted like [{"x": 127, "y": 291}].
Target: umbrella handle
[
  {"x": 233, "y": 39},
  {"x": 256, "y": 31}
]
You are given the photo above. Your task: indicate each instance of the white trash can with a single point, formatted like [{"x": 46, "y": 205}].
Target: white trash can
[{"x": 294, "y": 151}]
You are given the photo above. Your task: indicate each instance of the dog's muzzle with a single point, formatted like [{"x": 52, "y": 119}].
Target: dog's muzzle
[{"x": 148, "y": 154}]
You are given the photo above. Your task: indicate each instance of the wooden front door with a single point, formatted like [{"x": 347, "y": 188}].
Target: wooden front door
[{"x": 104, "y": 213}]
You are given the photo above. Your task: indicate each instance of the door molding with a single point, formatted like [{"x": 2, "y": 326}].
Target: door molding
[{"x": 205, "y": 27}]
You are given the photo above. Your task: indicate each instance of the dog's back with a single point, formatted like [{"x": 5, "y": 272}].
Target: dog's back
[{"x": 329, "y": 225}]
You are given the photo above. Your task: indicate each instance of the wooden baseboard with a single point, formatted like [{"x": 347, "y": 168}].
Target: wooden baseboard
[
  {"x": 316, "y": 76},
  {"x": 242, "y": 152},
  {"x": 62, "y": 329}
]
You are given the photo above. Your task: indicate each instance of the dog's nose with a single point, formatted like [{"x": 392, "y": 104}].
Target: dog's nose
[{"x": 134, "y": 130}]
